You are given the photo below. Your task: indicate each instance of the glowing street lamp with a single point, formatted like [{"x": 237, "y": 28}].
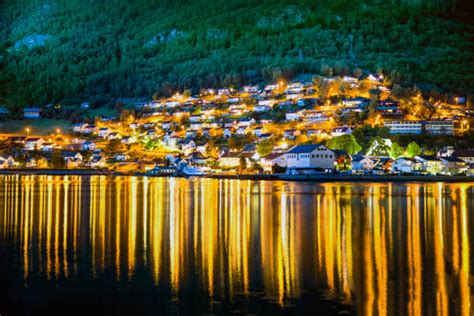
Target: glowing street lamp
[
  {"x": 27, "y": 131},
  {"x": 464, "y": 125},
  {"x": 58, "y": 131}
]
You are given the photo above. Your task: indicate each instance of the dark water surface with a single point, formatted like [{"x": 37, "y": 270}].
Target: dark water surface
[{"x": 125, "y": 245}]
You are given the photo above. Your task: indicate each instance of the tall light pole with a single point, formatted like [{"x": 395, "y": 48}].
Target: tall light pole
[{"x": 27, "y": 131}]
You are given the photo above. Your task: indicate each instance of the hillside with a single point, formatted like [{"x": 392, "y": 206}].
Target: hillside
[{"x": 70, "y": 51}]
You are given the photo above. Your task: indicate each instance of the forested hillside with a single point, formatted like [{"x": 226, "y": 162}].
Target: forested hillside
[{"x": 71, "y": 50}]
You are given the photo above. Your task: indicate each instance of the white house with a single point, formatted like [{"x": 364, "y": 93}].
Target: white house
[
  {"x": 98, "y": 162},
  {"x": 430, "y": 164},
  {"x": 79, "y": 127},
  {"x": 251, "y": 89},
  {"x": 90, "y": 129},
  {"x": 113, "y": 136},
  {"x": 120, "y": 157},
  {"x": 291, "y": 133},
  {"x": 191, "y": 134},
  {"x": 195, "y": 118},
  {"x": 261, "y": 108},
  {"x": 47, "y": 147},
  {"x": 310, "y": 157},
  {"x": 406, "y": 165},
  {"x": 361, "y": 164},
  {"x": 465, "y": 155},
  {"x": 257, "y": 131},
  {"x": 6, "y": 162},
  {"x": 339, "y": 131},
  {"x": 241, "y": 131},
  {"x": 230, "y": 160},
  {"x": 34, "y": 143},
  {"x": 188, "y": 147},
  {"x": 227, "y": 133},
  {"x": 247, "y": 122},
  {"x": 128, "y": 140},
  {"x": 195, "y": 126},
  {"x": 104, "y": 132},
  {"x": 453, "y": 165},
  {"x": 88, "y": 146},
  {"x": 292, "y": 116},
  {"x": 72, "y": 159},
  {"x": 166, "y": 125}
]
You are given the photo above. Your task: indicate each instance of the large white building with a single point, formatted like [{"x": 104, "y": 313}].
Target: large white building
[
  {"x": 310, "y": 157},
  {"x": 439, "y": 127},
  {"x": 404, "y": 127}
]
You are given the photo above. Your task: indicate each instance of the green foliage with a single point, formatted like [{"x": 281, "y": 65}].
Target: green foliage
[
  {"x": 143, "y": 48},
  {"x": 365, "y": 134},
  {"x": 57, "y": 160},
  {"x": 395, "y": 151},
  {"x": 265, "y": 147},
  {"x": 345, "y": 142},
  {"x": 413, "y": 149},
  {"x": 379, "y": 147},
  {"x": 242, "y": 165}
]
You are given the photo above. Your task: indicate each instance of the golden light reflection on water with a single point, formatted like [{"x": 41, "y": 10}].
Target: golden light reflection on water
[{"x": 385, "y": 248}]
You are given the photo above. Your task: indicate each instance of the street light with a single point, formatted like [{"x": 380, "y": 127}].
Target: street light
[
  {"x": 28, "y": 131},
  {"x": 58, "y": 131},
  {"x": 464, "y": 126}
]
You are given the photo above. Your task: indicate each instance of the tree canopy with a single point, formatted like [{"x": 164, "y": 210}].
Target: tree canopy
[{"x": 344, "y": 142}]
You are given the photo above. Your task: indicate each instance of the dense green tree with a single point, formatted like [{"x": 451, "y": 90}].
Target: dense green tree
[
  {"x": 379, "y": 147},
  {"x": 345, "y": 142},
  {"x": 413, "y": 149},
  {"x": 265, "y": 147},
  {"x": 57, "y": 160},
  {"x": 74, "y": 51},
  {"x": 396, "y": 150}
]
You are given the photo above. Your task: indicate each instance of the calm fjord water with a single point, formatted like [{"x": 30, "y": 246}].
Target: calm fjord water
[{"x": 81, "y": 244}]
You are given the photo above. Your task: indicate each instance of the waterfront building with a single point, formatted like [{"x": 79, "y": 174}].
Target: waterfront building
[
  {"x": 310, "y": 157},
  {"x": 407, "y": 165},
  {"x": 430, "y": 164}
]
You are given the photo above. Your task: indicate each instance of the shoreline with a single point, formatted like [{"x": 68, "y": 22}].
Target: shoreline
[{"x": 316, "y": 178}]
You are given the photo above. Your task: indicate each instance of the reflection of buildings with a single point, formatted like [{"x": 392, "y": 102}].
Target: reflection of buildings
[{"x": 394, "y": 249}]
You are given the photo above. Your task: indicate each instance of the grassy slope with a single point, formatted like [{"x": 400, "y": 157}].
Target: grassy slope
[
  {"x": 41, "y": 126},
  {"x": 99, "y": 48}
]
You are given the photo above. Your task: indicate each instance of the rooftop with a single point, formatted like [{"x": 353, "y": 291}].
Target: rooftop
[{"x": 301, "y": 149}]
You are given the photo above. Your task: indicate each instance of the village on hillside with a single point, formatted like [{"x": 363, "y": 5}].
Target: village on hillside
[{"x": 327, "y": 125}]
